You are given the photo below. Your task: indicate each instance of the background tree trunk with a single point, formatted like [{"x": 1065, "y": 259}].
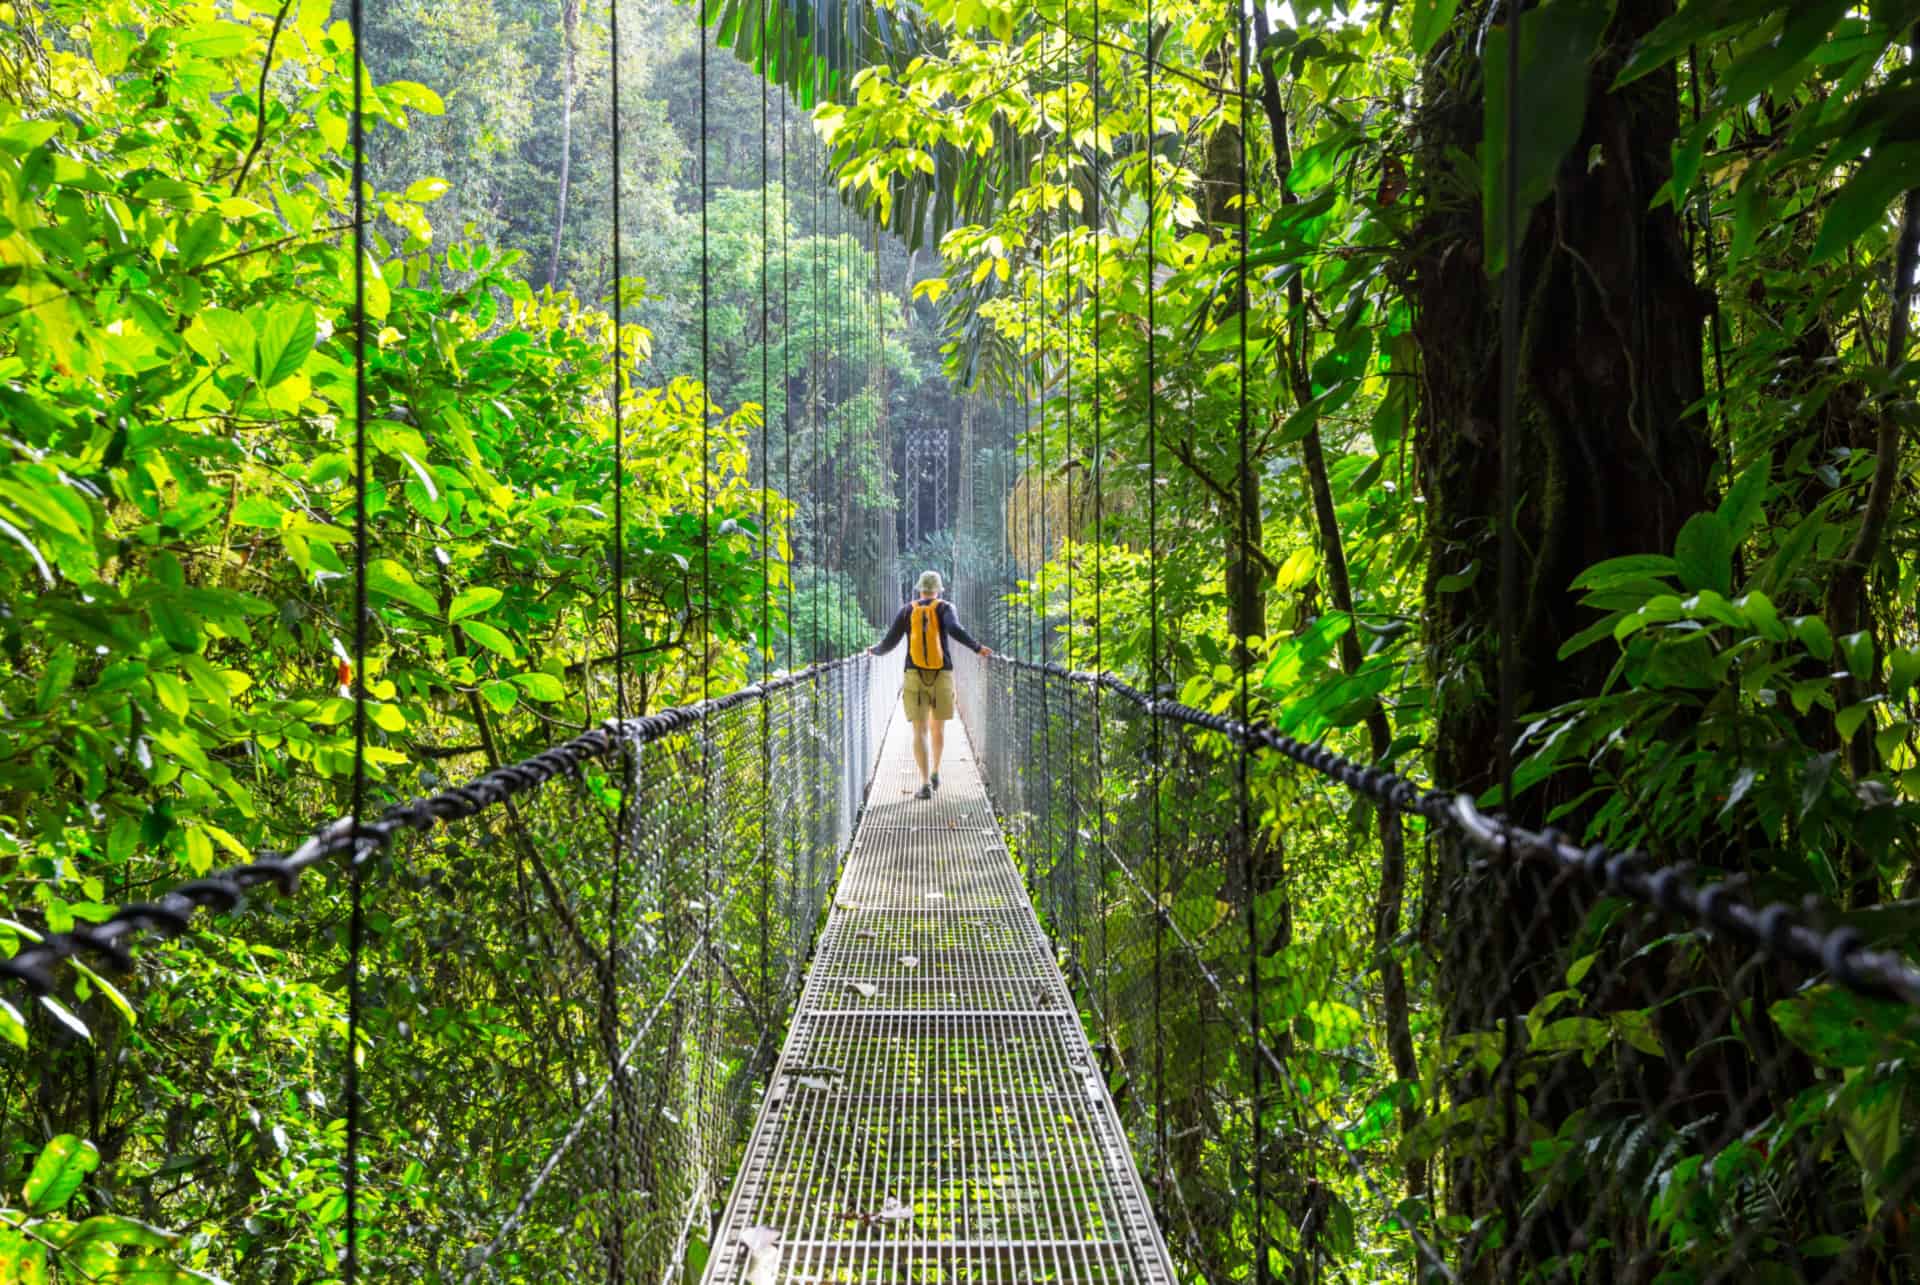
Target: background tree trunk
[
  {"x": 1611, "y": 461},
  {"x": 569, "y": 41}
]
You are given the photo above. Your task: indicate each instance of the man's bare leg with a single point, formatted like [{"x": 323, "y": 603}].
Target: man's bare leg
[
  {"x": 939, "y": 733},
  {"x": 920, "y": 725}
]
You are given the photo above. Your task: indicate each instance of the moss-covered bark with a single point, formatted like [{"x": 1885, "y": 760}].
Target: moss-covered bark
[{"x": 1612, "y": 459}]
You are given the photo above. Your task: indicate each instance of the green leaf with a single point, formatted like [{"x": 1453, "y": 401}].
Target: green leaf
[
  {"x": 106, "y": 988},
  {"x": 1704, "y": 552},
  {"x": 64, "y": 1015},
  {"x": 1557, "y": 42},
  {"x": 390, "y": 579},
  {"x": 1857, "y": 648},
  {"x": 500, "y": 694},
  {"x": 1813, "y": 785},
  {"x": 1602, "y": 628},
  {"x": 1455, "y": 581},
  {"x": 1631, "y": 567},
  {"x": 13, "y": 1025},
  {"x": 23, "y": 136},
  {"x": 1813, "y": 635},
  {"x": 1742, "y": 783},
  {"x": 1636, "y": 1027},
  {"x": 172, "y": 694},
  {"x": 539, "y": 686},
  {"x": 234, "y": 333},
  {"x": 379, "y": 298},
  {"x": 471, "y": 602},
  {"x": 1430, "y": 20},
  {"x": 172, "y": 622},
  {"x": 1903, "y": 670},
  {"x": 284, "y": 343},
  {"x": 63, "y": 1165},
  {"x": 1745, "y": 502},
  {"x": 1867, "y": 197},
  {"x": 1760, "y": 613},
  {"x": 492, "y": 639},
  {"x": 1848, "y": 720},
  {"x": 113, "y": 1229},
  {"x": 1841, "y": 1029}
]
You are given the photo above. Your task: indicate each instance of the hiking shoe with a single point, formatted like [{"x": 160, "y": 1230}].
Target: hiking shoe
[
  {"x": 935, "y": 783},
  {"x": 924, "y": 792}
]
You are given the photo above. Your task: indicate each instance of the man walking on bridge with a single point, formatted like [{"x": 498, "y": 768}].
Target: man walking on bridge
[{"x": 927, "y": 691}]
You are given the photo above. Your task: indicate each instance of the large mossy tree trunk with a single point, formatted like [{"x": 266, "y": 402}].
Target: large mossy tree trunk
[{"x": 1612, "y": 458}]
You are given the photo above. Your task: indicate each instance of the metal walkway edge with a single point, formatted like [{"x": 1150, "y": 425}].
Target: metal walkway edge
[{"x": 936, "y": 1114}]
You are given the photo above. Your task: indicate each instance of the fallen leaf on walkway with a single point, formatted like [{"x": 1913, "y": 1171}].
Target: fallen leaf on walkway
[
  {"x": 763, "y": 1255},
  {"x": 867, "y": 989},
  {"x": 893, "y": 1211},
  {"x": 909, "y": 961}
]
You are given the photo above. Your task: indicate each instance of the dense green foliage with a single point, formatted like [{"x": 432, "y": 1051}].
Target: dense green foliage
[{"x": 1717, "y": 656}]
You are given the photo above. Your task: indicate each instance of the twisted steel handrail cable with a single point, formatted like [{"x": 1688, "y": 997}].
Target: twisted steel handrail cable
[
  {"x": 1775, "y": 928},
  {"x": 172, "y": 913}
]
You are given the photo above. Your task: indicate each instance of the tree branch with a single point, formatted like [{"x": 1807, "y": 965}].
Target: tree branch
[
  {"x": 1184, "y": 453},
  {"x": 260, "y": 98}
]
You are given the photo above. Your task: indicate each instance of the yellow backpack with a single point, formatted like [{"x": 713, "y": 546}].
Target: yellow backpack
[{"x": 923, "y": 636}]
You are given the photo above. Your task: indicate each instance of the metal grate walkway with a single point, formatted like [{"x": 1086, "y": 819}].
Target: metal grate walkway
[{"x": 936, "y": 1114}]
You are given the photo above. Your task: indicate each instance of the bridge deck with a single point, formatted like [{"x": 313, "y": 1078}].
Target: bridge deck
[{"x": 936, "y": 1113}]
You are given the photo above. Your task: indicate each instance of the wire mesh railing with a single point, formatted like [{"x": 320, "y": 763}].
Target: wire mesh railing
[
  {"x": 1623, "y": 1072},
  {"x": 574, "y": 977}
]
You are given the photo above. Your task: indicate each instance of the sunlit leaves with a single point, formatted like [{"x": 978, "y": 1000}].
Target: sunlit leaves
[{"x": 63, "y": 1164}]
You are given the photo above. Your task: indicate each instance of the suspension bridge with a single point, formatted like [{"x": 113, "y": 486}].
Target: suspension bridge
[
  {"x": 687, "y": 1082},
  {"x": 705, "y": 993}
]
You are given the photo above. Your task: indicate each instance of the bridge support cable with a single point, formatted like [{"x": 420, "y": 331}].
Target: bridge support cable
[
  {"x": 936, "y": 1111},
  {"x": 1624, "y": 1008},
  {"x": 582, "y": 1034}
]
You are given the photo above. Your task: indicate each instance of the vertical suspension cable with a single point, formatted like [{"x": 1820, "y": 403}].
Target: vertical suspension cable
[
  {"x": 706, "y": 398},
  {"x": 1509, "y": 569},
  {"x": 707, "y": 1005},
  {"x": 817, "y": 276},
  {"x": 1067, "y": 460},
  {"x": 617, "y": 1256},
  {"x": 1153, "y": 634},
  {"x": 1099, "y": 526},
  {"x": 766, "y": 460},
  {"x": 765, "y": 646},
  {"x": 1046, "y": 541},
  {"x": 356, "y": 927},
  {"x": 1068, "y": 542},
  {"x": 844, "y": 361},
  {"x": 1249, "y": 497},
  {"x": 786, "y": 371}
]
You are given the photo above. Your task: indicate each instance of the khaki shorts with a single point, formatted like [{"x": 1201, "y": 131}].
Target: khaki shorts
[{"x": 918, "y": 694}]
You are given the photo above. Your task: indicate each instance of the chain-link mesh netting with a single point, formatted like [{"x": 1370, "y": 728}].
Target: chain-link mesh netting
[
  {"x": 1604, "y": 1071},
  {"x": 573, "y": 981}
]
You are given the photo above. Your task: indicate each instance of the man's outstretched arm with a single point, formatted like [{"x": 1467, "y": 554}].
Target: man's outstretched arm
[
  {"x": 959, "y": 634},
  {"x": 895, "y": 632}
]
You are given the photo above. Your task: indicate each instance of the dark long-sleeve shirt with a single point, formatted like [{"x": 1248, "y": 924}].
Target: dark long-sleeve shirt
[{"x": 950, "y": 632}]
